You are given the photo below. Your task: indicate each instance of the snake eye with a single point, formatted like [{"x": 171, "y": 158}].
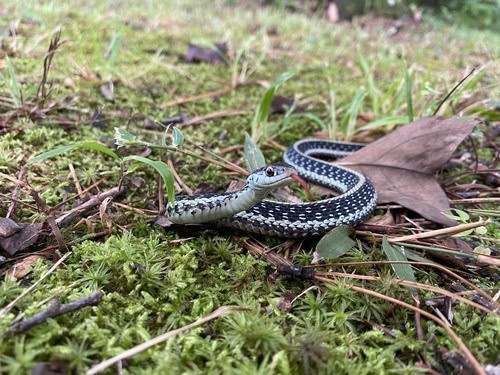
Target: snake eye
[{"x": 270, "y": 172}]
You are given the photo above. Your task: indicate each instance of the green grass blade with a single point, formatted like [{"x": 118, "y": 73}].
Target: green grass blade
[
  {"x": 164, "y": 171},
  {"x": 63, "y": 149},
  {"x": 262, "y": 112},
  {"x": 12, "y": 84},
  {"x": 98, "y": 147},
  {"x": 52, "y": 153},
  {"x": 113, "y": 50},
  {"x": 370, "y": 82},
  {"x": 409, "y": 101},
  {"x": 404, "y": 271},
  {"x": 386, "y": 121},
  {"x": 253, "y": 156},
  {"x": 333, "y": 123},
  {"x": 348, "y": 124}
]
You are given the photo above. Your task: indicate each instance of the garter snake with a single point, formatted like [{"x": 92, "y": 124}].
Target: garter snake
[{"x": 247, "y": 209}]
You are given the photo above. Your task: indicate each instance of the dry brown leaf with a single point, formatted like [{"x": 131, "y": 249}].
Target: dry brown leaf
[
  {"x": 386, "y": 219},
  {"x": 22, "y": 268},
  {"x": 402, "y": 164}
]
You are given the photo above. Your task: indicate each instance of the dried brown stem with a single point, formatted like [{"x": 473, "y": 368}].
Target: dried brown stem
[
  {"x": 179, "y": 180},
  {"x": 15, "y": 194},
  {"x": 433, "y": 265},
  {"x": 42, "y": 93},
  {"x": 477, "y": 366}
]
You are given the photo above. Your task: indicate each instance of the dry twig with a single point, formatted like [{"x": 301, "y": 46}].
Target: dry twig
[{"x": 53, "y": 311}]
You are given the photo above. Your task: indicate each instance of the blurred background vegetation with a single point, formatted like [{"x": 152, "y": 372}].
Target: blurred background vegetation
[{"x": 472, "y": 13}]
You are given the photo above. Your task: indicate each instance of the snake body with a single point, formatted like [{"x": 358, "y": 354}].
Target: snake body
[{"x": 247, "y": 210}]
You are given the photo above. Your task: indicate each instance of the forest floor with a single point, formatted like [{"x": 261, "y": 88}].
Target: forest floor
[{"x": 121, "y": 64}]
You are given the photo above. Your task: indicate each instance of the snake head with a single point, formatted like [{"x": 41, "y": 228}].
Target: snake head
[{"x": 265, "y": 179}]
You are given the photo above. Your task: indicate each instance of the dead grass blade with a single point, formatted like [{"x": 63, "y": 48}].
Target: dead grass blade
[
  {"x": 221, "y": 311},
  {"x": 413, "y": 284},
  {"x": 439, "y": 232},
  {"x": 434, "y": 265},
  {"x": 186, "y": 188},
  {"x": 42, "y": 92},
  {"x": 475, "y": 363},
  {"x": 454, "y": 89}
]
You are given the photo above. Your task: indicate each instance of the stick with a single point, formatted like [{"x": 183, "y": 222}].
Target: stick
[
  {"x": 68, "y": 217},
  {"x": 54, "y": 311},
  {"x": 15, "y": 194}
]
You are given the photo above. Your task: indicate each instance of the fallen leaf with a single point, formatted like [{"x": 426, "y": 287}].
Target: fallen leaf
[
  {"x": 22, "y": 268},
  {"x": 212, "y": 55},
  {"x": 285, "y": 302},
  {"x": 395, "y": 254},
  {"x": 402, "y": 164},
  {"x": 385, "y": 220},
  {"x": 22, "y": 239}
]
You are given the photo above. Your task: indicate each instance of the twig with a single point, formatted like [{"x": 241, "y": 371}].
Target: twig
[
  {"x": 227, "y": 165},
  {"x": 221, "y": 311},
  {"x": 61, "y": 242},
  {"x": 213, "y": 154},
  {"x": 95, "y": 184},
  {"x": 15, "y": 194},
  {"x": 42, "y": 93},
  {"x": 433, "y": 265},
  {"x": 414, "y": 285},
  {"x": 9, "y": 307},
  {"x": 34, "y": 208},
  {"x": 418, "y": 319},
  {"x": 68, "y": 217},
  {"x": 55, "y": 310},
  {"x": 474, "y": 201},
  {"x": 140, "y": 211},
  {"x": 77, "y": 182},
  {"x": 161, "y": 198}
]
